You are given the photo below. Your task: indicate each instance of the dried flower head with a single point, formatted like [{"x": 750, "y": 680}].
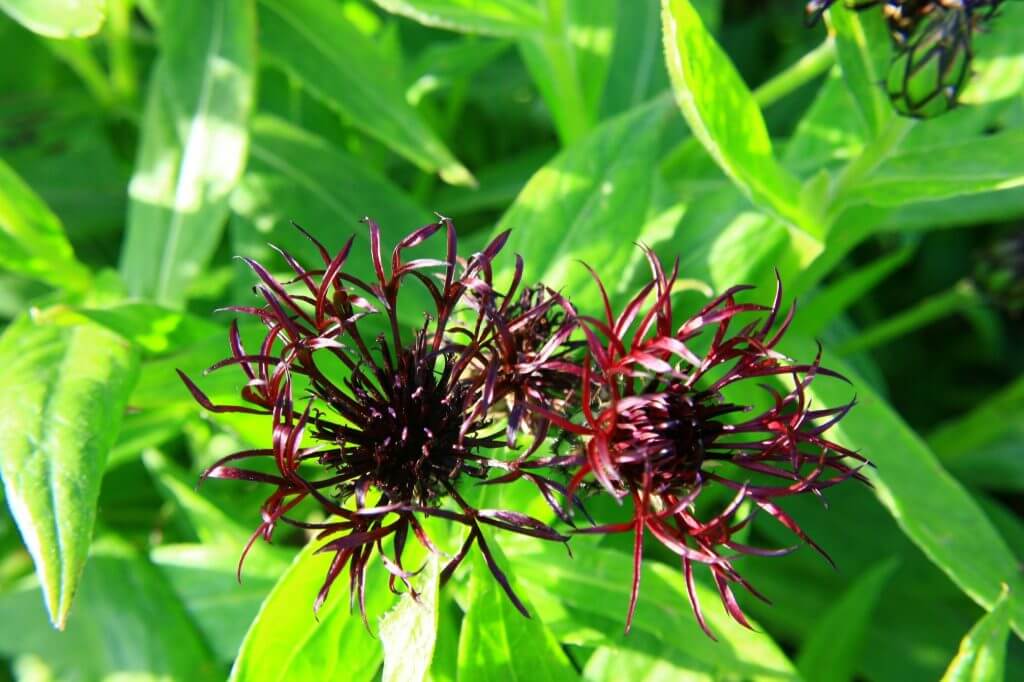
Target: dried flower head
[
  {"x": 662, "y": 426},
  {"x": 394, "y": 422}
]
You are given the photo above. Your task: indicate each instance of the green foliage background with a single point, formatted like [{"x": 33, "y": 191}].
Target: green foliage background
[{"x": 145, "y": 142}]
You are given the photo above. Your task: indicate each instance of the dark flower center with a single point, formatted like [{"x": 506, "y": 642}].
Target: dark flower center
[
  {"x": 664, "y": 436},
  {"x": 403, "y": 434}
]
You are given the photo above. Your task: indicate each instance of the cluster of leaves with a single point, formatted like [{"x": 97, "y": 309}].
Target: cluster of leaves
[{"x": 144, "y": 142}]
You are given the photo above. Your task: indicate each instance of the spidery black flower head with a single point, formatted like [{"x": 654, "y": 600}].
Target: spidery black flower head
[
  {"x": 660, "y": 427},
  {"x": 392, "y": 423}
]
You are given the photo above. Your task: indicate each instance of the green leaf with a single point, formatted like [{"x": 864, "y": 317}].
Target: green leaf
[
  {"x": 58, "y": 18},
  {"x": 830, "y": 131},
  {"x": 935, "y": 512},
  {"x": 636, "y": 72},
  {"x": 830, "y": 302},
  {"x": 569, "y": 61},
  {"x": 643, "y": 659},
  {"x": 498, "y": 643},
  {"x": 62, "y": 395},
  {"x": 205, "y": 579},
  {"x": 982, "y": 653},
  {"x": 296, "y": 176},
  {"x": 587, "y": 203},
  {"x": 286, "y": 641},
  {"x": 860, "y": 46},
  {"x": 211, "y": 525},
  {"x": 32, "y": 240},
  {"x": 508, "y": 18},
  {"x": 971, "y": 166},
  {"x": 127, "y": 624},
  {"x": 982, "y": 447},
  {"x": 408, "y": 632},
  {"x": 663, "y": 611},
  {"x": 149, "y": 326},
  {"x": 313, "y": 41},
  {"x": 723, "y": 115},
  {"x": 193, "y": 146},
  {"x": 836, "y": 643}
]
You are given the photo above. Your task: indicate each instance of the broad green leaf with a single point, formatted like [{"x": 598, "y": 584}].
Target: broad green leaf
[
  {"x": 286, "y": 641},
  {"x": 32, "y": 240},
  {"x": 643, "y": 659},
  {"x": 830, "y": 131},
  {"x": 205, "y": 579},
  {"x": 837, "y": 642},
  {"x": 588, "y": 203},
  {"x": 193, "y": 145},
  {"x": 663, "y": 611},
  {"x": 637, "y": 71},
  {"x": 62, "y": 395},
  {"x": 723, "y": 115},
  {"x": 935, "y": 512},
  {"x": 58, "y": 18},
  {"x": 127, "y": 624},
  {"x": 408, "y": 632},
  {"x": 211, "y": 525},
  {"x": 508, "y": 18},
  {"x": 984, "y": 164},
  {"x": 498, "y": 643},
  {"x": 313, "y": 41},
  {"x": 861, "y": 45},
  {"x": 569, "y": 61},
  {"x": 982, "y": 653}
]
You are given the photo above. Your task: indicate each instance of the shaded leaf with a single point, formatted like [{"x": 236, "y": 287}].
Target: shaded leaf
[
  {"x": 62, "y": 394},
  {"x": 569, "y": 61},
  {"x": 127, "y": 623},
  {"x": 836, "y": 643},
  {"x": 313, "y": 41},
  {"x": 204, "y": 578}
]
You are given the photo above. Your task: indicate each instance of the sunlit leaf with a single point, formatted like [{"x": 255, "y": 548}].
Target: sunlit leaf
[
  {"x": 58, "y": 18},
  {"x": 32, "y": 239},
  {"x": 62, "y": 395},
  {"x": 408, "y": 632},
  {"x": 193, "y": 147}
]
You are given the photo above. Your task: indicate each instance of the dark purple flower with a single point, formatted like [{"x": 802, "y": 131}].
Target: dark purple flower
[
  {"x": 660, "y": 428},
  {"x": 395, "y": 422}
]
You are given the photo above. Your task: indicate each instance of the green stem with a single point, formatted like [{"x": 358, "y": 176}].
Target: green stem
[
  {"x": 123, "y": 72},
  {"x": 807, "y": 68},
  {"x": 926, "y": 312},
  {"x": 78, "y": 55}
]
